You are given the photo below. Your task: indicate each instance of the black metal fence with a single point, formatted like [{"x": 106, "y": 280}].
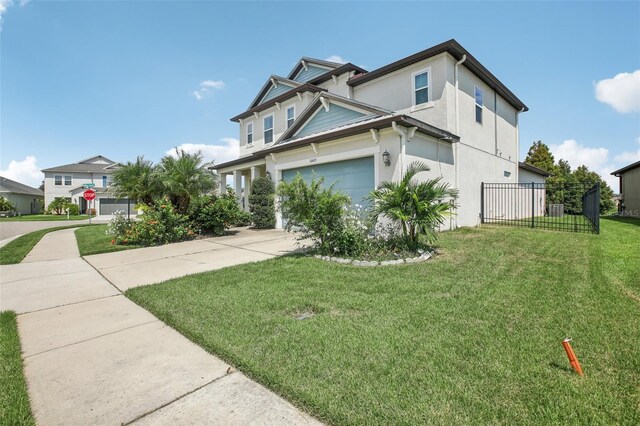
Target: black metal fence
[{"x": 562, "y": 207}]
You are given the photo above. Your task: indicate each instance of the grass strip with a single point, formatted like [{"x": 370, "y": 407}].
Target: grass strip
[
  {"x": 16, "y": 250},
  {"x": 14, "y": 399},
  {"x": 94, "y": 240}
]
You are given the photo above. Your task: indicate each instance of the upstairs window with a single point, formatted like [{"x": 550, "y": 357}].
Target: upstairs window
[
  {"x": 421, "y": 87},
  {"x": 291, "y": 115},
  {"x": 250, "y": 134},
  {"x": 268, "y": 129},
  {"x": 479, "y": 104},
  {"x": 104, "y": 181},
  {"x": 67, "y": 180},
  {"x": 57, "y": 180}
]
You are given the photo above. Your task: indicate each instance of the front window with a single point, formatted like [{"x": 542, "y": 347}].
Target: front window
[
  {"x": 249, "y": 133},
  {"x": 67, "y": 180},
  {"x": 478, "y": 96},
  {"x": 421, "y": 87},
  {"x": 104, "y": 181},
  {"x": 268, "y": 129},
  {"x": 57, "y": 179},
  {"x": 291, "y": 116}
]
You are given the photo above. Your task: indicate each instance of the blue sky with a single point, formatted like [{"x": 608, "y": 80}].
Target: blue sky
[{"x": 117, "y": 78}]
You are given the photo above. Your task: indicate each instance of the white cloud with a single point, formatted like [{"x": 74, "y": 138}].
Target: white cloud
[
  {"x": 25, "y": 171},
  {"x": 228, "y": 150},
  {"x": 5, "y": 4},
  {"x": 206, "y": 87},
  {"x": 629, "y": 157},
  {"x": 622, "y": 92},
  {"x": 336, "y": 58},
  {"x": 578, "y": 155}
]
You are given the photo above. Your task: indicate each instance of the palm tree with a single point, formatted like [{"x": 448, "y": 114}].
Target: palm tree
[
  {"x": 418, "y": 207},
  {"x": 136, "y": 181},
  {"x": 183, "y": 177}
]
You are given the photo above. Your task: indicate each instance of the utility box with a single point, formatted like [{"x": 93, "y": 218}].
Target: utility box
[{"x": 556, "y": 210}]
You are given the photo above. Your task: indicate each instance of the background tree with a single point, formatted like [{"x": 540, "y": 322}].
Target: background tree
[
  {"x": 183, "y": 177},
  {"x": 261, "y": 203},
  {"x": 57, "y": 206},
  {"x": 136, "y": 181},
  {"x": 419, "y": 207},
  {"x": 541, "y": 157}
]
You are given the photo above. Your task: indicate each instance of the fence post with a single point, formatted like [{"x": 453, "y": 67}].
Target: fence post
[
  {"x": 533, "y": 207},
  {"x": 482, "y": 202},
  {"x": 597, "y": 205}
]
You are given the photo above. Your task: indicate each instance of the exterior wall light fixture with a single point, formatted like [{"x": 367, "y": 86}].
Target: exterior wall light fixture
[
  {"x": 386, "y": 158},
  {"x": 268, "y": 175}
]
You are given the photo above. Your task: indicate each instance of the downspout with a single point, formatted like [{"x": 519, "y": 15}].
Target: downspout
[
  {"x": 518, "y": 142},
  {"x": 403, "y": 140},
  {"x": 456, "y": 150}
]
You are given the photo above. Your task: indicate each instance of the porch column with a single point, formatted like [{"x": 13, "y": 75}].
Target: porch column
[
  {"x": 255, "y": 173},
  {"x": 237, "y": 183},
  {"x": 223, "y": 183},
  {"x": 247, "y": 189}
]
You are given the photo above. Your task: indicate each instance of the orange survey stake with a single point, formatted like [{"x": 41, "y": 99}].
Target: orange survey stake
[{"x": 573, "y": 360}]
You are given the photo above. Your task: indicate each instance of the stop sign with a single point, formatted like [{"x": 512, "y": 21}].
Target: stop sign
[{"x": 89, "y": 195}]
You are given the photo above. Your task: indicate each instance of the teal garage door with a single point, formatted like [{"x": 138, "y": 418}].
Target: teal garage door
[{"x": 352, "y": 177}]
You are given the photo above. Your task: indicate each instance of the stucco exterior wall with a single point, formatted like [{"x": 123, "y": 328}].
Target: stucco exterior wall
[
  {"x": 341, "y": 88},
  {"x": 394, "y": 91},
  {"x": 24, "y": 204},
  {"x": 525, "y": 176},
  {"x": 631, "y": 191}
]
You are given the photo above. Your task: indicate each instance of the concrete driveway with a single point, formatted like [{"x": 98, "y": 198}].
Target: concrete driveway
[{"x": 132, "y": 268}]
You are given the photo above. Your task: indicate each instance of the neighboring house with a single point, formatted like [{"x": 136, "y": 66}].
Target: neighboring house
[
  {"x": 68, "y": 181},
  {"x": 26, "y": 199},
  {"x": 629, "y": 189},
  {"x": 358, "y": 128}
]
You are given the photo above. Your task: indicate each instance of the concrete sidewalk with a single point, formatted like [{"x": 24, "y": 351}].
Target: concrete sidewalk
[
  {"x": 132, "y": 268},
  {"x": 94, "y": 357}
]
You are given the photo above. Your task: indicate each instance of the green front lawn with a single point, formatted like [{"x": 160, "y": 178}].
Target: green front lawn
[
  {"x": 470, "y": 337},
  {"x": 43, "y": 217},
  {"x": 94, "y": 240},
  {"x": 17, "y": 249},
  {"x": 14, "y": 399}
]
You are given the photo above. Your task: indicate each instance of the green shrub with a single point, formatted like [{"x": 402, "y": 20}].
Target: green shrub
[
  {"x": 57, "y": 206},
  {"x": 261, "y": 203},
  {"x": 243, "y": 219},
  {"x": 5, "y": 205},
  {"x": 73, "y": 209},
  {"x": 214, "y": 215},
  {"x": 160, "y": 224},
  {"x": 316, "y": 211},
  {"x": 119, "y": 225}
]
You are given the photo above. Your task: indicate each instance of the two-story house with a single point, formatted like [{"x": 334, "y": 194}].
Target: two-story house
[
  {"x": 356, "y": 128},
  {"x": 69, "y": 181}
]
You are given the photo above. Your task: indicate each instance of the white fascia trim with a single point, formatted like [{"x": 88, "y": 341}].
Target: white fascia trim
[{"x": 245, "y": 166}]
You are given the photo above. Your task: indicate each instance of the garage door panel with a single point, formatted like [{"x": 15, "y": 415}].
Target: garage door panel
[
  {"x": 112, "y": 205},
  {"x": 352, "y": 177}
]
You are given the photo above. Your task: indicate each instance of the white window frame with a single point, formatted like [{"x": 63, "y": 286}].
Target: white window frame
[
  {"x": 246, "y": 131},
  {"x": 413, "y": 86},
  {"x": 70, "y": 180},
  {"x": 476, "y": 105},
  {"x": 264, "y": 130},
  {"x": 293, "y": 107},
  {"x": 55, "y": 180}
]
